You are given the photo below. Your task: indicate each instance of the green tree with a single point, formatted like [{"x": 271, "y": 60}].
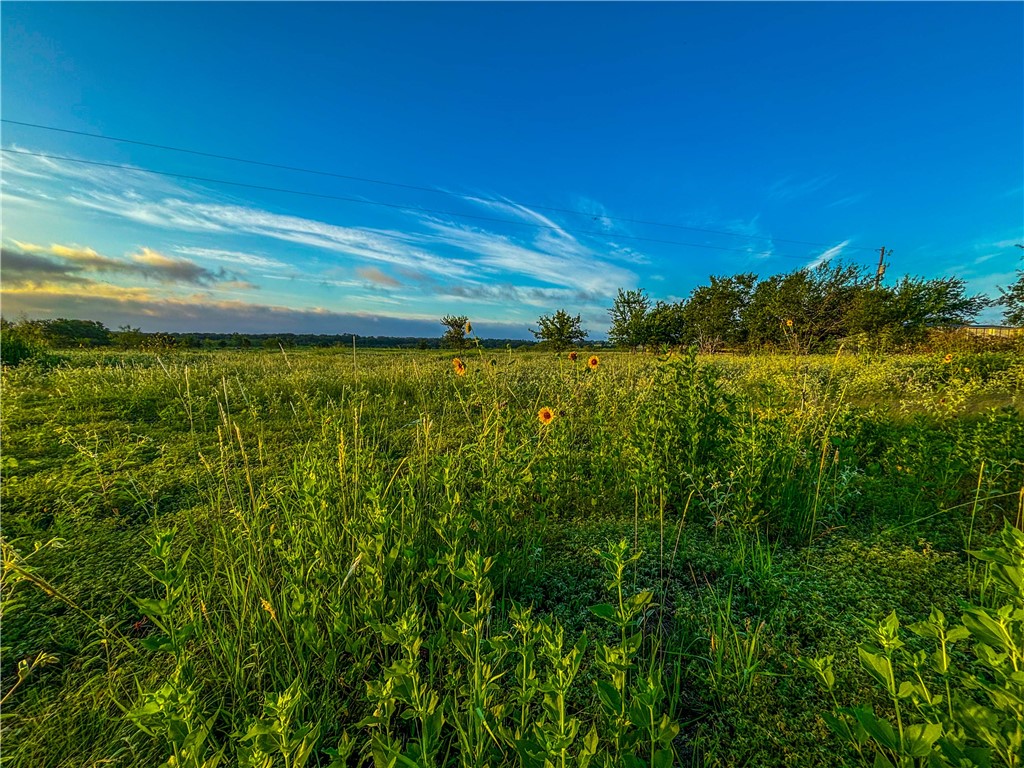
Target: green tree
[
  {"x": 920, "y": 305},
  {"x": 455, "y": 334},
  {"x": 127, "y": 337},
  {"x": 629, "y": 315},
  {"x": 560, "y": 330},
  {"x": 806, "y": 309},
  {"x": 1012, "y": 300},
  {"x": 63, "y": 332},
  {"x": 713, "y": 315},
  {"x": 666, "y": 324}
]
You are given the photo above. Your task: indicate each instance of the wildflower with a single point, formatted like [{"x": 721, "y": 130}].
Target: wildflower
[
  {"x": 592, "y": 362},
  {"x": 967, "y": 370},
  {"x": 268, "y": 608},
  {"x": 546, "y": 415},
  {"x": 468, "y": 328},
  {"x": 459, "y": 366},
  {"x": 789, "y": 323},
  {"x": 947, "y": 359},
  {"x": 573, "y": 355}
]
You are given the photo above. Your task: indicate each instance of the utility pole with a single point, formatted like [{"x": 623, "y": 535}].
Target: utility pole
[{"x": 882, "y": 253}]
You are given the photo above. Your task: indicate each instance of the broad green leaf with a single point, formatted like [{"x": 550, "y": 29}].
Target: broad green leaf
[
  {"x": 879, "y": 667},
  {"x": 919, "y": 738},
  {"x": 878, "y": 729},
  {"x": 604, "y": 611},
  {"x": 609, "y": 697}
]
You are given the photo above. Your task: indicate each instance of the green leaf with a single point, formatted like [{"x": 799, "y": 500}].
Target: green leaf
[
  {"x": 919, "y": 738},
  {"x": 158, "y": 644},
  {"x": 877, "y": 729},
  {"x": 840, "y": 727},
  {"x": 609, "y": 697},
  {"x": 959, "y": 632},
  {"x": 986, "y": 629},
  {"x": 154, "y": 608},
  {"x": 662, "y": 758},
  {"x": 604, "y": 611},
  {"x": 879, "y": 667}
]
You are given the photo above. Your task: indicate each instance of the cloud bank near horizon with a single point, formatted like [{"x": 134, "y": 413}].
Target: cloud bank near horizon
[{"x": 198, "y": 240}]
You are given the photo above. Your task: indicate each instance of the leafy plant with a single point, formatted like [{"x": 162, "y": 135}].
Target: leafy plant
[{"x": 978, "y": 719}]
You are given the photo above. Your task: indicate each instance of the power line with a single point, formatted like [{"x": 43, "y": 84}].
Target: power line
[
  {"x": 395, "y": 206},
  {"x": 368, "y": 180}
]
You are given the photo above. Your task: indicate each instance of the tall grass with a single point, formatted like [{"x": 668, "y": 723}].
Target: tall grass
[{"x": 339, "y": 563}]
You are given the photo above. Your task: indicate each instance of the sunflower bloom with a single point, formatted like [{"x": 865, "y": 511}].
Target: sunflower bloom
[
  {"x": 545, "y": 415},
  {"x": 459, "y": 366},
  {"x": 573, "y": 355},
  {"x": 947, "y": 359},
  {"x": 468, "y": 328},
  {"x": 592, "y": 362},
  {"x": 789, "y": 323}
]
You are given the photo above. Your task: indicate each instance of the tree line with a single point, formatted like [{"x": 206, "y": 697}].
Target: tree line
[
  {"x": 65, "y": 333},
  {"x": 806, "y": 310}
]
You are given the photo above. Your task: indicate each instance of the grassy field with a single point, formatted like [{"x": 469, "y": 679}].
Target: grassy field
[{"x": 315, "y": 558}]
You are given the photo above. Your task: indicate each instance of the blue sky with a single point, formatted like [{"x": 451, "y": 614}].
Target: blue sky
[{"x": 545, "y": 138}]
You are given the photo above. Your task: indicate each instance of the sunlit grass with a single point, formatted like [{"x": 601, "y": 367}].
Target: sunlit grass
[{"x": 310, "y": 558}]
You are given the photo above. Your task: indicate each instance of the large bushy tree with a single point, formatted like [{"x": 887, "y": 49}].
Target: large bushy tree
[
  {"x": 629, "y": 318},
  {"x": 560, "y": 330},
  {"x": 455, "y": 331},
  {"x": 665, "y": 325},
  {"x": 919, "y": 305},
  {"x": 805, "y": 309},
  {"x": 713, "y": 314},
  {"x": 63, "y": 333},
  {"x": 1012, "y": 301}
]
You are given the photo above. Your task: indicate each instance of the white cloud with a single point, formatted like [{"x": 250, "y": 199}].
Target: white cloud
[
  {"x": 497, "y": 253},
  {"x": 231, "y": 257},
  {"x": 434, "y": 251},
  {"x": 849, "y": 200},
  {"x": 832, "y": 253},
  {"x": 790, "y": 188}
]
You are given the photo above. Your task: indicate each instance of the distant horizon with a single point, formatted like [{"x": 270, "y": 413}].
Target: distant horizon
[{"x": 299, "y": 168}]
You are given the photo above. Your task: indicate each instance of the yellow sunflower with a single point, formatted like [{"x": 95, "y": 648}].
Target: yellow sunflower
[
  {"x": 947, "y": 359},
  {"x": 468, "y": 328},
  {"x": 459, "y": 366},
  {"x": 592, "y": 362},
  {"x": 545, "y": 415},
  {"x": 789, "y": 323},
  {"x": 573, "y": 355}
]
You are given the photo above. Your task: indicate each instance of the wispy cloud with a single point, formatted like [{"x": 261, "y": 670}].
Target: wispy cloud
[
  {"x": 537, "y": 265},
  {"x": 847, "y": 201},
  {"x": 563, "y": 266},
  {"x": 791, "y": 188},
  {"x": 598, "y": 214},
  {"x": 751, "y": 238},
  {"x": 231, "y": 257},
  {"x": 828, "y": 255}
]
